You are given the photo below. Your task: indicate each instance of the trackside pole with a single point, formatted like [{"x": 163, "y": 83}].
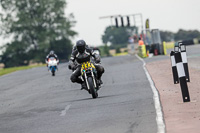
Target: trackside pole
[
  {"x": 174, "y": 69},
  {"x": 185, "y": 63},
  {"x": 182, "y": 76}
]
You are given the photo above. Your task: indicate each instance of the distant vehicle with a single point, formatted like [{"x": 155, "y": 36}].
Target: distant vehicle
[{"x": 52, "y": 65}]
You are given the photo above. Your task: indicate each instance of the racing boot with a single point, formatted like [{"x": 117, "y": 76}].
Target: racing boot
[
  {"x": 100, "y": 81},
  {"x": 83, "y": 86}
]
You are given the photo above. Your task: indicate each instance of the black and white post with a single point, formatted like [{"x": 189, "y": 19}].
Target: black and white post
[
  {"x": 185, "y": 63},
  {"x": 182, "y": 76},
  {"x": 174, "y": 69}
]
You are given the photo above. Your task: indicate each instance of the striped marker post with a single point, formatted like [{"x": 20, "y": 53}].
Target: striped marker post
[
  {"x": 182, "y": 77},
  {"x": 185, "y": 64},
  {"x": 174, "y": 69}
]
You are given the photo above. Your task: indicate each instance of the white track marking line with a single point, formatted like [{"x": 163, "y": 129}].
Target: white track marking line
[
  {"x": 159, "y": 114},
  {"x": 63, "y": 112}
]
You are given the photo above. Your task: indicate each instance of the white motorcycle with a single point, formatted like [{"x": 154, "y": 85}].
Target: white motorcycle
[{"x": 52, "y": 65}]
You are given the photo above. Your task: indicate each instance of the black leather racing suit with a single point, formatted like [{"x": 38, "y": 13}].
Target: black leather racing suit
[{"x": 80, "y": 58}]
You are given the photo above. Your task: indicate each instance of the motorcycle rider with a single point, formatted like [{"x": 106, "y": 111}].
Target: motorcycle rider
[
  {"x": 51, "y": 54},
  {"x": 83, "y": 53}
]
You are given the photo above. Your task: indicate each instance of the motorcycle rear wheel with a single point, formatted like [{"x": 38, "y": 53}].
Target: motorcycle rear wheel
[{"x": 53, "y": 73}]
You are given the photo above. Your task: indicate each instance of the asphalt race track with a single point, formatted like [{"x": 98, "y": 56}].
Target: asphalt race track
[{"x": 32, "y": 101}]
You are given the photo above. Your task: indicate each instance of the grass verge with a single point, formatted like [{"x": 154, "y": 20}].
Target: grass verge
[
  {"x": 13, "y": 69},
  {"x": 121, "y": 54}
]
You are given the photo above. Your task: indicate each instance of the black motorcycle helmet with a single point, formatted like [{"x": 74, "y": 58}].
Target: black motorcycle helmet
[{"x": 80, "y": 45}]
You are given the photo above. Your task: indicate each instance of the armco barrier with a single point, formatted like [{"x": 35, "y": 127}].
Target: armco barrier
[
  {"x": 187, "y": 42},
  {"x": 191, "y": 41}
]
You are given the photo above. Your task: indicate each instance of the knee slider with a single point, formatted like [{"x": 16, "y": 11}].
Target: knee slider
[
  {"x": 102, "y": 70},
  {"x": 73, "y": 79}
]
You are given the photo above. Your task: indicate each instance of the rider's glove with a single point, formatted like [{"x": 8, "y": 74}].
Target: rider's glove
[{"x": 70, "y": 66}]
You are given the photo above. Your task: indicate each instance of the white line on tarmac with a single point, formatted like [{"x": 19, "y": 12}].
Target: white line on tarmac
[
  {"x": 159, "y": 114},
  {"x": 63, "y": 112}
]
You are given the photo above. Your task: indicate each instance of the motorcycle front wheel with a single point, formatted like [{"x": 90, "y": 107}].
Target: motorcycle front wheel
[{"x": 92, "y": 88}]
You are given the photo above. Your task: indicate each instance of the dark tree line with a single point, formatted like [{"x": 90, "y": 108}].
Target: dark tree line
[
  {"x": 37, "y": 26},
  {"x": 180, "y": 35},
  {"x": 118, "y": 37}
]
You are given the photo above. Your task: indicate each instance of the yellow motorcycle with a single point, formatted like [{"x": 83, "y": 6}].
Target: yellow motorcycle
[{"x": 89, "y": 75}]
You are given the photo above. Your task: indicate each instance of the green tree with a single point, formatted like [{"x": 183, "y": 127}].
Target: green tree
[
  {"x": 167, "y": 36},
  {"x": 118, "y": 36},
  {"x": 186, "y": 35},
  {"x": 118, "y": 50},
  {"x": 15, "y": 55},
  {"x": 106, "y": 50},
  {"x": 37, "y": 26}
]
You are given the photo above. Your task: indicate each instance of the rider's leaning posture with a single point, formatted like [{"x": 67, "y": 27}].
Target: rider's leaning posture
[{"x": 81, "y": 54}]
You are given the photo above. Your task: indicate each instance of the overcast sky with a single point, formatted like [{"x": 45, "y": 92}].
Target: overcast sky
[{"x": 168, "y": 15}]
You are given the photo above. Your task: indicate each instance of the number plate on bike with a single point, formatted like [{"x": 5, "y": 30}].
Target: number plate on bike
[{"x": 87, "y": 65}]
